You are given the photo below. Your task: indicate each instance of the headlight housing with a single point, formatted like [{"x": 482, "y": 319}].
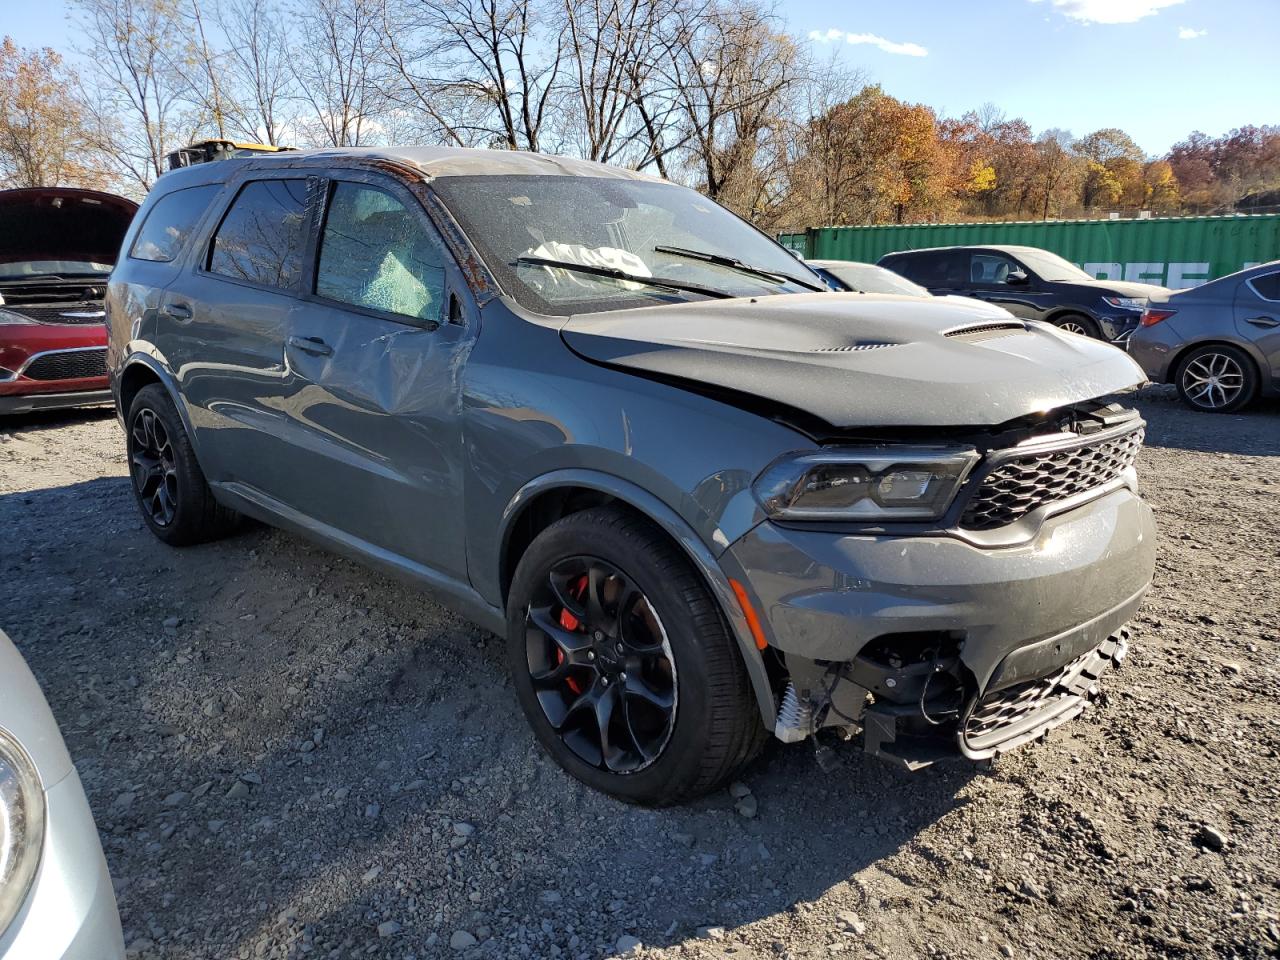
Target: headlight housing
[
  {"x": 21, "y": 827},
  {"x": 865, "y": 483},
  {"x": 1127, "y": 303},
  {"x": 8, "y": 317}
]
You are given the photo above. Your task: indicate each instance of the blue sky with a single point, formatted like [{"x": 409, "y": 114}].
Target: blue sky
[{"x": 1156, "y": 68}]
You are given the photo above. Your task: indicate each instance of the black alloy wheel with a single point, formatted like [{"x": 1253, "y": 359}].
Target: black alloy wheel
[
  {"x": 623, "y": 662},
  {"x": 601, "y": 665},
  {"x": 172, "y": 493},
  {"x": 155, "y": 473}
]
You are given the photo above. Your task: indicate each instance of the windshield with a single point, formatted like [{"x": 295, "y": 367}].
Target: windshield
[
  {"x": 61, "y": 268},
  {"x": 868, "y": 278},
  {"x": 612, "y": 225},
  {"x": 1050, "y": 266}
]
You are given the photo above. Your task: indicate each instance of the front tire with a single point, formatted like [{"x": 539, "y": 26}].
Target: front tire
[
  {"x": 168, "y": 484},
  {"x": 1217, "y": 378},
  {"x": 623, "y": 662},
  {"x": 1079, "y": 323}
]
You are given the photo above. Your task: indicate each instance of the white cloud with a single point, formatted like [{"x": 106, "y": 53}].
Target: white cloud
[
  {"x": 888, "y": 46},
  {"x": 1110, "y": 11},
  {"x": 1189, "y": 33}
]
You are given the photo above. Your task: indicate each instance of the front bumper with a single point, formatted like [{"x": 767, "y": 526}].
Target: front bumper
[
  {"x": 26, "y": 402},
  {"x": 70, "y": 913},
  {"x": 898, "y": 631}
]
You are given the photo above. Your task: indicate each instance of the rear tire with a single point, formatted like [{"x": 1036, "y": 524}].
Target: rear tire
[
  {"x": 592, "y": 592},
  {"x": 168, "y": 485},
  {"x": 1079, "y": 323},
  {"x": 1217, "y": 378}
]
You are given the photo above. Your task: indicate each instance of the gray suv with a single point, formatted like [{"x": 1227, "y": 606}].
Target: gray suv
[{"x": 704, "y": 500}]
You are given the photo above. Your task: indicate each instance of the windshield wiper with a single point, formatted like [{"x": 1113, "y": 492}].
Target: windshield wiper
[
  {"x": 735, "y": 264},
  {"x": 614, "y": 274}
]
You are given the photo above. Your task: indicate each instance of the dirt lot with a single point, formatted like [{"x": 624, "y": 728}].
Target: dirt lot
[{"x": 289, "y": 756}]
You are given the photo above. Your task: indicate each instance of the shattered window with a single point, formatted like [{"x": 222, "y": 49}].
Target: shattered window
[
  {"x": 377, "y": 253},
  {"x": 260, "y": 239}
]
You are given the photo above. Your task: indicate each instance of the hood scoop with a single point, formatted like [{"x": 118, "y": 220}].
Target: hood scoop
[
  {"x": 852, "y": 347},
  {"x": 986, "y": 331}
]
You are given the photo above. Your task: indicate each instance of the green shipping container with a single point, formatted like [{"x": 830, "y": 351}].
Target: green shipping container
[{"x": 1176, "y": 252}]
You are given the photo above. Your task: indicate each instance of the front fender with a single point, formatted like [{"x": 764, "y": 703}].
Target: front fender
[{"x": 713, "y": 573}]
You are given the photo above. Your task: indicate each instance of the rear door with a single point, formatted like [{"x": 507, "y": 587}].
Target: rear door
[
  {"x": 223, "y": 328},
  {"x": 375, "y": 427},
  {"x": 1257, "y": 310}
]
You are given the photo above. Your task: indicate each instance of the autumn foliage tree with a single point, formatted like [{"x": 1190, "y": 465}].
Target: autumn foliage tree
[{"x": 43, "y": 140}]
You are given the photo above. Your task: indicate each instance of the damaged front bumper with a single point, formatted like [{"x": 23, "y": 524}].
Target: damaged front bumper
[{"x": 931, "y": 646}]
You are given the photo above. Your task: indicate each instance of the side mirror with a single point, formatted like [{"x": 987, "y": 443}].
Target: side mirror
[{"x": 1016, "y": 278}]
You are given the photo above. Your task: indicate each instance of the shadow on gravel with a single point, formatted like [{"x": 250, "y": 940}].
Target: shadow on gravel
[
  {"x": 1252, "y": 432},
  {"x": 41, "y": 419},
  {"x": 281, "y": 747}
]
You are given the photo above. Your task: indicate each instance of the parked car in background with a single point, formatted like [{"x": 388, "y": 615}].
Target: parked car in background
[
  {"x": 57, "y": 246},
  {"x": 56, "y": 898},
  {"x": 1030, "y": 283},
  {"x": 1219, "y": 343},
  {"x": 865, "y": 278},
  {"x": 704, "y": 498}
]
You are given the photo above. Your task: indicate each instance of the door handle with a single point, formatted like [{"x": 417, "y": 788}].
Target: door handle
[
  {"x": 177, "y": 311},
  {"x": 312, "y": 345},
  {"x": 1263, "y": 321}
]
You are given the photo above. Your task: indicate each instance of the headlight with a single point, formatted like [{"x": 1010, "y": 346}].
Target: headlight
[
  {"x": 9, "y": 317},
  {"x": 1127, "y": 303},
  {"x": 21, "y": 827},
  {"x": 871, "y": 483}
]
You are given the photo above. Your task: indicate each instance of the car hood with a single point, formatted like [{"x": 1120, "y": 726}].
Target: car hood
[
  {"x": 25, "y": 716},
  {"x": 1124, "y": 288},
  {"x": 858, "y": 360},
  {"x": 59, "y": 223}
]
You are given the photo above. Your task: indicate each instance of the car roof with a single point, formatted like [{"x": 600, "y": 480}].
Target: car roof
[
  {"x": 841, "y": 263},
  {"x": 433, "y": 162},
  {"x": 999, "y": 247}
]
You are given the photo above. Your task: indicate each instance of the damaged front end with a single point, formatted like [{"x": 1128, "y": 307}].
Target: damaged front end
[
  {"x": 978, "y": 631},
  {"x": 910, "y": 700}
]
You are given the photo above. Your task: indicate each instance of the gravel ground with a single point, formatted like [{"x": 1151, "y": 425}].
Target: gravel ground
[{"x": 288, "y": 755}]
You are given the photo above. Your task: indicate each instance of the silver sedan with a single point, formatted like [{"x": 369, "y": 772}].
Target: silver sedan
[
  {"x": 1219, "y": 343},
  {"x": 56, "y": 900}
]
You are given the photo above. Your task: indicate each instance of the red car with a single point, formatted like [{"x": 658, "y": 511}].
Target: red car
[{"x": 57, "y": 246}]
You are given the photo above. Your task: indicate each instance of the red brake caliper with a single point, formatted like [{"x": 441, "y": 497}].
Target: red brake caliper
[{"x": 570, "y": 622}]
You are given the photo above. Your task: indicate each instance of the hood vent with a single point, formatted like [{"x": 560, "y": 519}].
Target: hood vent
[
  {"x": 853, "y": 347},
  {"x": 986, "y": 331}
]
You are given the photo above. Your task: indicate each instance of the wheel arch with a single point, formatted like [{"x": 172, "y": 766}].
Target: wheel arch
[
  {"x": 1069, "y": 311},
  {"x": 1175, "y": 362},
  {"x": 541, "y": 502},
  {"x": 137, "y": 372}
]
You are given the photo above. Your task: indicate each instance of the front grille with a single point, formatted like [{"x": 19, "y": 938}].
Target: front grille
[
  {"x": 68, "y": 365},
  {"x": 1015, "y": 487},
  {"x": 1008, "y": 718},
  {"x": 63, "y": 313}
]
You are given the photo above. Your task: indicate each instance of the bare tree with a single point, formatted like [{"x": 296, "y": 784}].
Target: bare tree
[
  {"x": 613, "y": 52},
  {"x": 342, "y": 77},
  {"x": 135, "y": 95},
  {"x": 260, "y": 55},
  {"x": 731, "y": 68},
  {"x": 485, "y": 60}
]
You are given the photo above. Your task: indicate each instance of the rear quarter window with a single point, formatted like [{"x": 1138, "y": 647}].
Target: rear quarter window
[
  {"x": 165, "y": 230},
  {"x": 1267, "y": 285}
]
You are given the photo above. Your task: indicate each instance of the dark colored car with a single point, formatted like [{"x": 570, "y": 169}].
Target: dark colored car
[
  {"x": 1030, "y": 283},
  {"x": 57, "y": 246},
  {"x": 1219, "y": 343},
  {"x": 704, "y": 499}
]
